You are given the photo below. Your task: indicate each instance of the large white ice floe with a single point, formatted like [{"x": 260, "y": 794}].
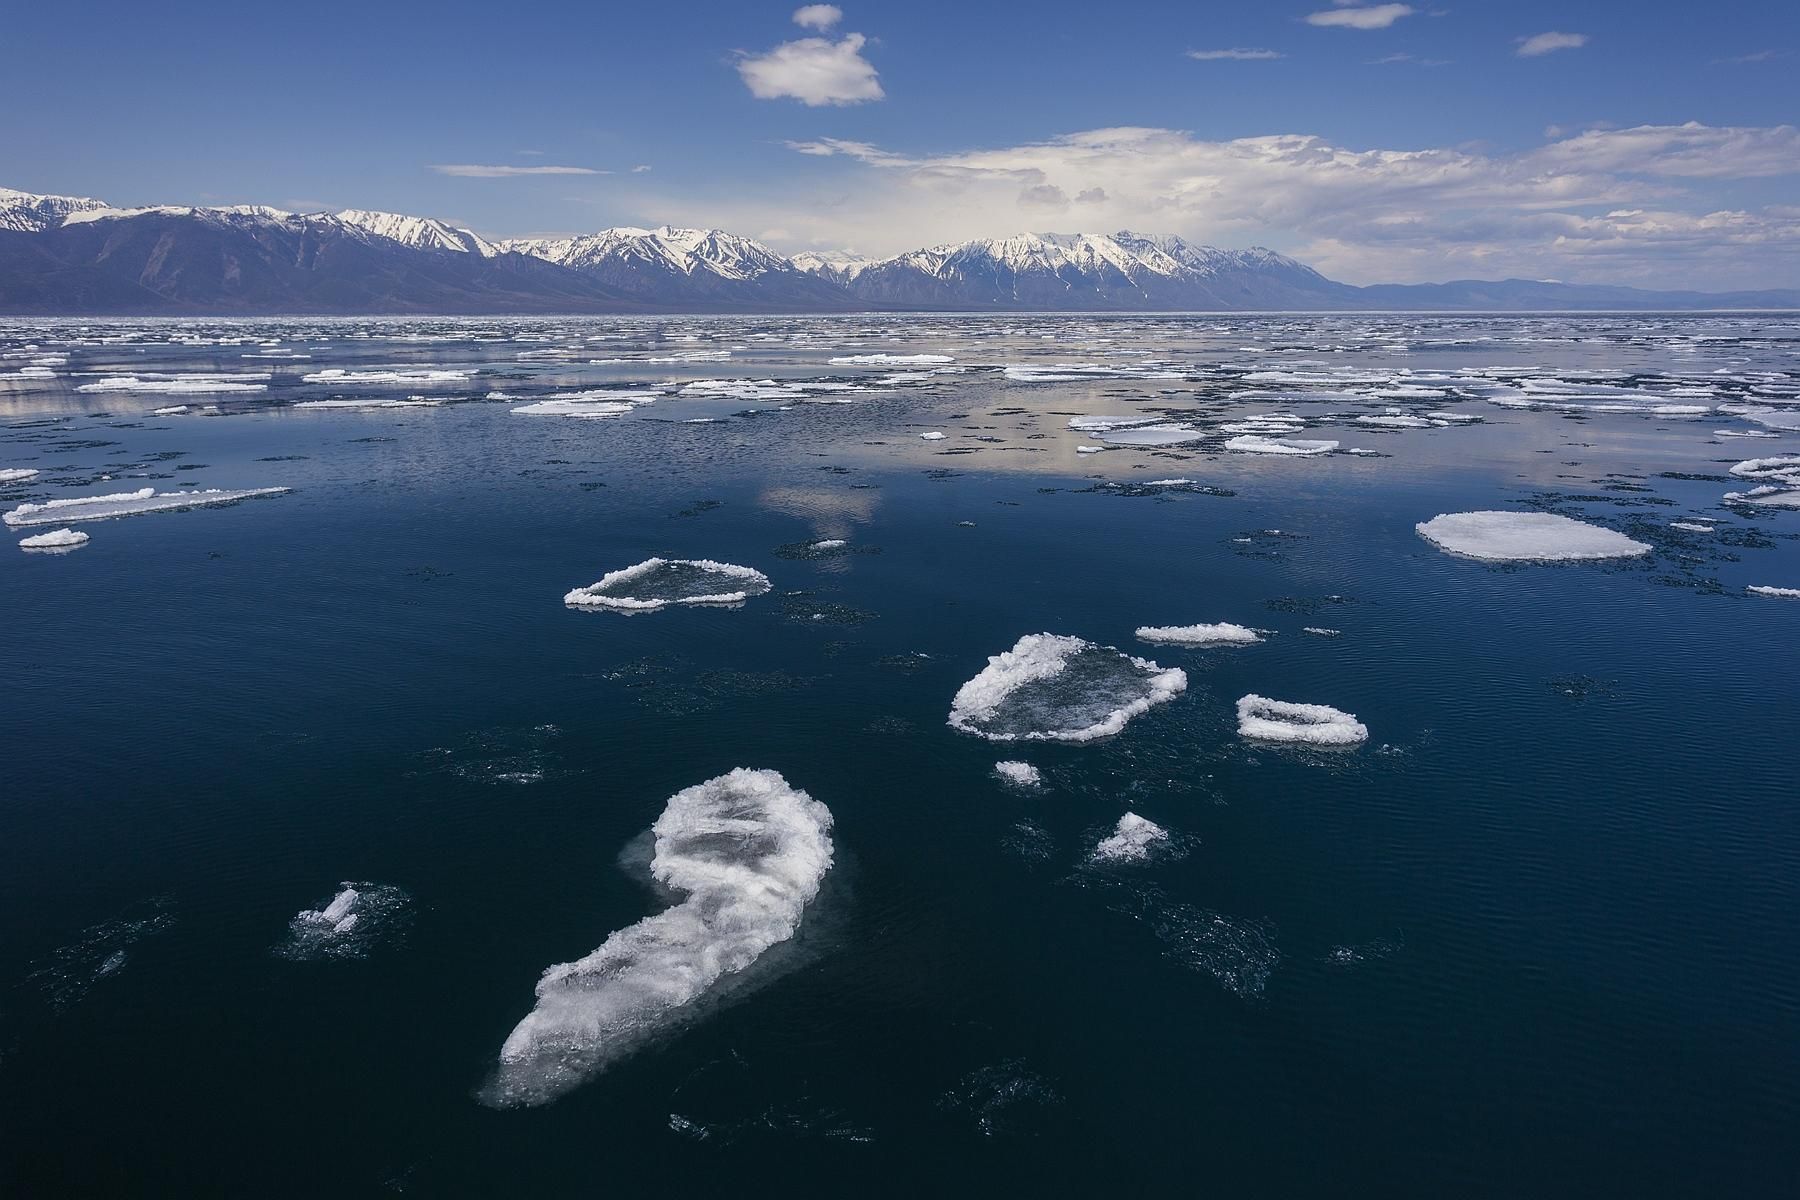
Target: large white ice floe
[
  {"x": 125, "y": 504},
  {"x": 179, "y": 384},
  {"x": 1250, "y": 443},
  {"x": 1222, "y": 634},
  {"x": 390, "y": 377},
  {"x": 1051, "y": 687},
  {"x": 891, "y": 360},
  {"x": 1151, "y": 435},
  {"x": 1132, "y": 840},
  {"x": 1783, "y": 469},
  {"x": 660, "y": 582},
  {"x": 353, "y": 922},
  {"x": 588, "y": 409},
  {"x": 749, "y": 853},
  {"x": 1019, "y": 774},
  {"x": 17, "y": 474},
  {"x": 1777, "y": 593},
  {"x": 1526, "y": 537},
  {"x": 57, "y": 541},
  {"x": 1266, "y": 720}
]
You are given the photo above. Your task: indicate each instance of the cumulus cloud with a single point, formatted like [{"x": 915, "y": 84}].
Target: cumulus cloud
[
  {"x": 478, "y": 171},
  {"x": 818, "y": 16},
  {"x": 1652, "y": 204},
  {"x": 814, "y": 71},
  {"x": 1544, "y": 43},
  {"x": 1236, "y": 54},
  {"x": 1373, "y": 16}
]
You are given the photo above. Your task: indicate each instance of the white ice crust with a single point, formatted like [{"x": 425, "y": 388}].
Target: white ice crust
[
  {"x": 1263, "y": 719},
  {"x": 1526, "y": 537},
  {"x": 1222, "y": 634},
  {"x": 1131, "y": 840},
  {"x": 1028, "y": 693},
  {"x": 1022, "y": 774},
  {"x": 124, "y": 504},
  {"x": 634, "y": 588},
  {"x": 56, "y": 539}
]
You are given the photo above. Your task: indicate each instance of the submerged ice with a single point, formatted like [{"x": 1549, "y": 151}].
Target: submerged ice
[
  {"x": 749, "y": 853},
  {"x": 660, "y": 582},
  {"x": 1053, "y": 687}
]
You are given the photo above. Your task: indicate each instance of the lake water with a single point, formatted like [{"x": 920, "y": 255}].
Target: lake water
[{"x": 1535, "y": 935}]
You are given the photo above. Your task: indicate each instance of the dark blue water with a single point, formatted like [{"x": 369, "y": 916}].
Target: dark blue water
[{"x": 1535, "y": 937}]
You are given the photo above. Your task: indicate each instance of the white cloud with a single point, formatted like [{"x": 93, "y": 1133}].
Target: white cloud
[
  {"x": 476, "y": 171},
  {"x": 1544, "y": 43},
  {"x": 818, "y": 16},
  {"x": 1374, "y": 16},
  {"x": 1365, "y": 215},
  {"x": 1237, "y": 54},
  {"x": 814, "y": 71}
]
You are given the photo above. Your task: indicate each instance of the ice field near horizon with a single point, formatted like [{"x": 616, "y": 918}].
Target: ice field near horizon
[{"x": 1285, "y": 754}]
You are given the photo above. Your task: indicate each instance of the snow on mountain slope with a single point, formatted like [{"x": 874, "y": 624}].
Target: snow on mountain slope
[
  {"x": 424, "y": 233},
  {"x": 27, "y": 212},
  {"x": 684, "y": 251}
]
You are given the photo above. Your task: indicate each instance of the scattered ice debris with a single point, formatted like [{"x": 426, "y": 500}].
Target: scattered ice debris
[
  {"x": 1222, "y": 634},
  {"x": 125, "y": 504},
  {"x": 101, "y": 952},
  {"x": 1250, "y": 443},
  {"x": 1005, "y": 1100},
  {"x": 1021, "y": 774},
  {"x": 749, "y": 852},
  {"x": 1060, "y": 688},
  {"x": 891, "y": 360},
  {"x": 17, "y": 474},
  {"x": 57, "y": 540},
  {"x": 1526, "y": 537},
  {"x": 358, "y": 918},
  {"x": 1263, "y": 719},
  {"x": 184, "y": 384},
  {"x": 1779, "y": 593},
  {"x": 659, "y": 582},
  {"x": 398, "y": 375},
  {"x": 932, "y": 436},
  {"x": 1132, "y": 840}
]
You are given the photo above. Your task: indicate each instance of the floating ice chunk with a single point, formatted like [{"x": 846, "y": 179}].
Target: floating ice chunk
[
  {"x": 891, "y": 360},
  {"x": 830, "y": 544},
  {"x": 1151, "y": 435},
  {"x": 29, "y": 373},
  {"x": 1784, "y": 469},
  {"x": 1053, "y": 687},
  {"x": 1131, "y": 841},
  {"x": 1021, "y": 774},
  {"x": 1102, "y": 424},
  {"x": 1252, "y": 444},
  {"x": 399, "y": 375},
  {"x": 1222, "y": 634},
  {"x": 1690, "y": 526},
  {"x": 1321, "y": 631},
  {"x": 1263, "y": 719},
  {"x": 125, "y": 504},
  {"x": 1774, "y": 418},
  {"x": 1779, "y": 593},
  {"x": 1768, "y": 494},
  {"x": 173, "y": 410},
  {"x": 60, "y": 540},
  {"x": 1526, "y": 537},
  {"x": 588, "y": 409},
  {"x": 1447, "y": 415},
  {"x": 185, "y": 384},
  {"x": 749, "y": 852},
  {"x": 17, "y": 474},
  {"x": 1393, "y": 421},
  {"x": 1089, "y": 449},
  {"x": 409, "y": 402},
  {"x": 932, "y": 436},
  {"x": 659, "y": 582},
  {"x": 353, "y": 922}
]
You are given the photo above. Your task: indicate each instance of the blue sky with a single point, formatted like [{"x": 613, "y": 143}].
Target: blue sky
[{"x": 1648, "y": 142}]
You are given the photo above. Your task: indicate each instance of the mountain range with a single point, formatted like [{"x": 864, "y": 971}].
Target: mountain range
[{"x": 68, "y": 255}]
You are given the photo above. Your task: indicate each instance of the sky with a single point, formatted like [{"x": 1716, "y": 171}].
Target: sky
[{"x": 1643, "y": 142}]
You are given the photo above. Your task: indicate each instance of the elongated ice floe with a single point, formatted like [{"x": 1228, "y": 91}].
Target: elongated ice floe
[
  {"x": 1779, "y": 593},
  {"x": 398, "y": 375},
  {"x": 125, "y": 504},
  {"x": 659, "y": 582},
  {"x": 933, "y": 435},
  {"x": 1021, "y": 774},
  {"x": 1222, "y": 634},
  {"x": 1051, "y": 687},
  {"x": 1151, "y": 435},
  {"x": 588, "y": 409},
  {"x": 749, "y": 853},
  {"x": 1263, "y": 719},
  {"x": 409, "y": 402},
  {"x": 182, "y": 384},
  {"x": 17, "y": 474},
  {"x": 1783, "y": 469},
  {"x": 1131, "y": 840},
  {"x": 56, "y": 539},
  {"x": 890, "y": 360},
  {"x": 1526, "y": 537},
  {"x": 1250, "y": 443}
]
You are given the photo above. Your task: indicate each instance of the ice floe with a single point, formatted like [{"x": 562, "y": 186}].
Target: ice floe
[
  {"x": 409, "y": 402},
  {"x": 58, "y": 541},
  {"x": 659, "y": 582},
  {"x": 125, "y": 504},
  {"x": 1151, "y": 435},
  {"x": 1526, "y": 537},
  {"x": 1132, "y": 840},
  {"x": 395, "y": 376},
  {"x": 891, "y": 360},
  {"x": 1263, "y": 719},
  {"x": 358, "y": 918},
  {"x": 17, "y": 475},
  {"x": 1250, "y": 443},
  {"x": 1052, "y": 687},
  {"x": 183, "y": 384},
  {"x": 1221, "y": 634},
  {"x": 1021, "y": 774},
  {"x": 749, "y": 853},
  {"x": 588, "y": 409},
  {"x": 933, "y": 435},
  {"x": 1782, "y": 469},
  {"x": 1779, "y": 593}
]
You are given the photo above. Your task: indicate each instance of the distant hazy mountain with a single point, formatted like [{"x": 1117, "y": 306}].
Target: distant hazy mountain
[{"x": 62, "y": 254}]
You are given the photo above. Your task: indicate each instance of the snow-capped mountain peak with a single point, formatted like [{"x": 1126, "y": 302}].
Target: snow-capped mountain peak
[
  {"x": 27, "y": 212},
  {"x": 424, "y": 233}
]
